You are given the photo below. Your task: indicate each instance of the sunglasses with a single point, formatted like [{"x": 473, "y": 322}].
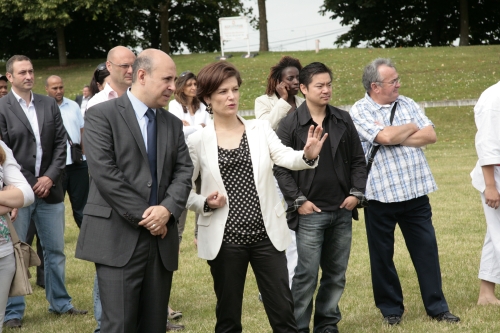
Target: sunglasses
[{"x": 100, "y": 67}]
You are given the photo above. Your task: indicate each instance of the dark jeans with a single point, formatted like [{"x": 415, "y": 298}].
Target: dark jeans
[
  {"x": 76, "y": 183},
  {"x": 415, "y": 220},
  {"x": 229, "y": 271},
  {"x": 323, "y": 240}
]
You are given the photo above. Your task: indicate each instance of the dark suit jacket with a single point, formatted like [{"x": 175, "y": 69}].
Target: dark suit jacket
[
  {"x": 120, "y": 183},
  {"x": 348, "y": 158},
  {"x": 17, "y": 133},
  {"x": 78, "y": 99}
]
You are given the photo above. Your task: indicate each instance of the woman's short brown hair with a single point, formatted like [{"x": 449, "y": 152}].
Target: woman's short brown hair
[{"x": 211, "y": 77}]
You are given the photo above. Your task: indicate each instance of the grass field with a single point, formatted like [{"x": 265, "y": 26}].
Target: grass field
[{"x": 428, "y": 74}]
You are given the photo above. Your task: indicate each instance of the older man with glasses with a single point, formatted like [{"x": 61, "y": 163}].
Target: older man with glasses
[{"x": 397, "y": 187}]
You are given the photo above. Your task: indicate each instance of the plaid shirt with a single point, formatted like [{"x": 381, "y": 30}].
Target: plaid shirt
[{"x": 399, "y": 173}]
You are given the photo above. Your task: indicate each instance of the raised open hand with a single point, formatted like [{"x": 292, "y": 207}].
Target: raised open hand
[{"x": 314, "y": 142}]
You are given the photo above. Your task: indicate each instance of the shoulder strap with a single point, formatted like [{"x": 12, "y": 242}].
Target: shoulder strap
[
  {"x": 13, "y": 233},
  {"x": 374, "y": 148}
]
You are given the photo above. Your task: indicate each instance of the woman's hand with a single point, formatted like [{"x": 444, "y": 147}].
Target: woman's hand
[
  {"x": 216, "y": 200},
  {"x": 282, "y": 90},
  {"x": 314, "y": 142},
  {"x": 186, "y": 123}
]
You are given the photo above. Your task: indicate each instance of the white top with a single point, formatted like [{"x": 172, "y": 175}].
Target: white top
[
  {"x": 102, "y": 96},
  {"x": 33, "y": 119},
  {"x": 10, "y": 174},
  {"x": 73, "y": 122},
  {"x": 83, "y": 107},
  {"x": 487, "y": 117},
  {"x": 200, "y": 117},
  {"x": 273, "y": 109}
]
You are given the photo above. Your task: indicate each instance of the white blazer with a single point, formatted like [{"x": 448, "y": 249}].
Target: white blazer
[
  {"x": 201, "y": 116},
  {"x": 273, "y": 109},
  {"x": 266, "y": 150}
]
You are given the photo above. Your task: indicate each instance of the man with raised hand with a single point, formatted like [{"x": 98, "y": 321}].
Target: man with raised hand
[
  {"x": 398, "y": 183},
  {"x": 31, "y": 125},
  {"x": 321, "y": 202},
  {"x": 140, "y": 173}
]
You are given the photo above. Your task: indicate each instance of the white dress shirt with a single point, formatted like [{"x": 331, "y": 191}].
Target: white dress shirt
[
  {"x": 140, "y": 112},
  {"x": 30, "y": 112},
  {"x": 73, "y": 122},
  {"x": 102, "y": 96}
]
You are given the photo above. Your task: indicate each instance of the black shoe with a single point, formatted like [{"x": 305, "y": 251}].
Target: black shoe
[
  {"x": 40, "y": 285},
  {"x": 174, "y": 327},
  {"x": 74, "y": 312},
  {"x": 392, "y": 319},
  {"x": 447, "y": 317},
  {"x": 13, "y": 323},
  {"x": 331, "y": 330}
]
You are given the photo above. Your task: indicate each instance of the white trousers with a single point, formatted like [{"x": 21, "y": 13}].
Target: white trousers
[
  {"x": 489, "y": 268},
  {"x": 291, "y": 257}
]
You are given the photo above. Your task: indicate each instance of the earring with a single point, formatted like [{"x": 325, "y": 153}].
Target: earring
[{"x": 209, "y": 109}]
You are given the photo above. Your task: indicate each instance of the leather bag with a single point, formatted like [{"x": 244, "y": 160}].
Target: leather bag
[{"x": 25, "y": 258}]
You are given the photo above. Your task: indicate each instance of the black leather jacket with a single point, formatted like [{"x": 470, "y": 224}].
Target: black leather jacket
[{"x": 348, "y": 158}]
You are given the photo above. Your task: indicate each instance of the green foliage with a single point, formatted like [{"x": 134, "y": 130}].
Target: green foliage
[{"x": 393, "y": 23}]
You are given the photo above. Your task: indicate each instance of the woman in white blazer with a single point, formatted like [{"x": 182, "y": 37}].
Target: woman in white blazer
[
  {"x": 242, "y": 220},
  {"x": 281, "y": 93}
]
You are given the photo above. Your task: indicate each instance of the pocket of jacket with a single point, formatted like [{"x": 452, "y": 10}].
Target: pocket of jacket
[
  {"x": 279, "y": 209},
  {"x": 204, "y": 221},
  {"x": 96, "y": 210}
]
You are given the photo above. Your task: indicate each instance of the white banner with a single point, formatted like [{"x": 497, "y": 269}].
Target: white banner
[{"x": 233, "y": 28}]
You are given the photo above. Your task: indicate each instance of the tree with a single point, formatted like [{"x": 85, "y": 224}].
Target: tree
[
  {"x": 192, "y": 24},
  {"x": 392, "y": 23},
  {"x": 264, "y": 42},
  {"x": 54, "y": 15}
]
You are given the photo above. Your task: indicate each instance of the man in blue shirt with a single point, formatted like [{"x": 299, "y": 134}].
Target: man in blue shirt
[
  {"x": 397, "y": 188},
  {"x": 76, "y": 179}
]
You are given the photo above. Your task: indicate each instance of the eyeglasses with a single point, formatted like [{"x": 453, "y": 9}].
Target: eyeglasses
[
  {"x": 184, "y": 73},
  {"x": 122, "y": 66},
  {"x": 391, "y": 83}
]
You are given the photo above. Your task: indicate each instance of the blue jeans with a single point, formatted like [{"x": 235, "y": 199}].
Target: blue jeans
[
  {"x": 97, "y": 305},
  {"x": 323, "y": 240},
  {"x": 49, "y": 221}
]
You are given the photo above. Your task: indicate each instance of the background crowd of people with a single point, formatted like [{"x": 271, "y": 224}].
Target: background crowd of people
[{"x": 278, "y": 192}]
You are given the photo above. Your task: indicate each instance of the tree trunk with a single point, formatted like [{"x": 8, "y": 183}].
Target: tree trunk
[
  {"x": 464, "y": 23},
  {"x": 61, "y": 47},
  {"x": 165, "y": 40},
  {"x": 264, "y": 42}
]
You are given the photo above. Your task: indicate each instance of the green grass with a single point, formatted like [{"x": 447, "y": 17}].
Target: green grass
[
  {"x": 428, "y": 74},
  {"x": 458, "y": 215}
]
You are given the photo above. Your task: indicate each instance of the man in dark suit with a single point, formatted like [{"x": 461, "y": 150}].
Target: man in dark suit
[
  {"x": 82, "y": 100},
  {"x": 140, "y": 173},
  {"x": 31, "y": 125}
]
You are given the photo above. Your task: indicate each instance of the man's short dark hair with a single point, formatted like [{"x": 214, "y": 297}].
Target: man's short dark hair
[
  {"x": 306, "y": 74},
  {"x": 9, "y": 66}
]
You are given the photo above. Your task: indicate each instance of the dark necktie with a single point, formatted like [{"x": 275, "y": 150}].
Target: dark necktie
[{"x": 153, "y": 198}]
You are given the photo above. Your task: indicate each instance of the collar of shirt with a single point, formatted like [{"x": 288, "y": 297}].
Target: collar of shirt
[
  {"x": 20, "y": 99},
  {"x": 110, "y": 93},
  {"x": 139, "y": 107},
  {"x": 379, "y": 106},
  {"x": 304, "y": 115}
]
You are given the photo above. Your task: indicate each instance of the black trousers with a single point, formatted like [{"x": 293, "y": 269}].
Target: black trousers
[
  {"x": 76, "y": 183},
  {"x": 415, "y": 220},
  {"x": 229, "y": 271},
  {"x": 135, "y": 297}
]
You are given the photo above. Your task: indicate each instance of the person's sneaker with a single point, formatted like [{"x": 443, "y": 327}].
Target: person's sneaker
[
  {"x": 446, "y": 316},
  {"x": 392, "y": 319},
  {"x": 75, "y": 312},
  {"x": 174, "y": 327},
  {"x": 13, "y": 323},
  {"x": 331, "y": 330}
]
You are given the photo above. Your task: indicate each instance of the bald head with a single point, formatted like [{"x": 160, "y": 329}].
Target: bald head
[
  {"x": 55, "y": 88},
  {"x": 119, "y": 65},
  {"x": 154, "y": 75}
]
